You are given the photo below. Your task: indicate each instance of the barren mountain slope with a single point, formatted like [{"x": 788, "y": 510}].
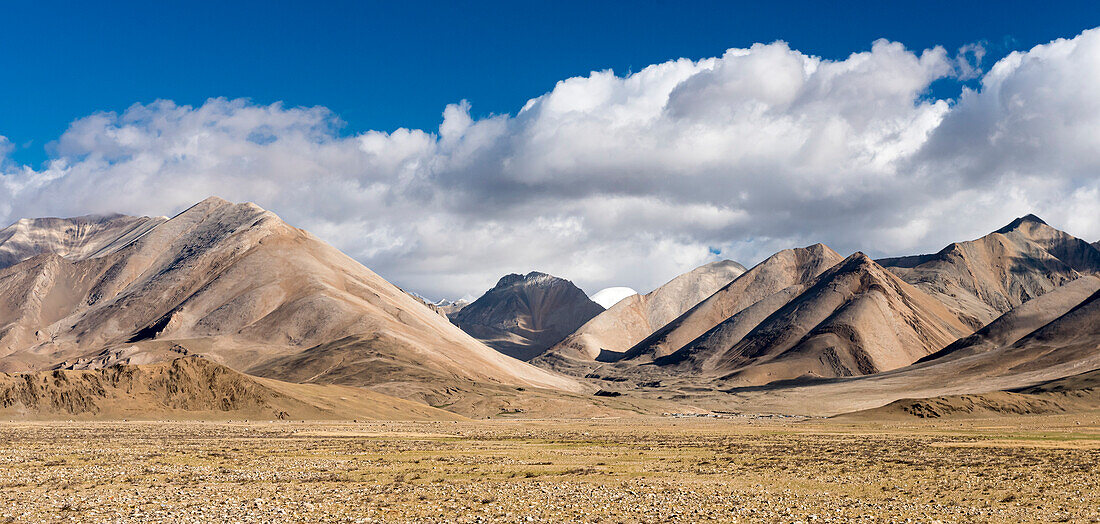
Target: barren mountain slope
[
  {"x": 1074, "y": 394},
  {"x": 1066, "y": 346},
  {"x": 1023, "y": 319},
  {"x": 780, "y": 271},
  {"x": 701, "y": 355},
  {"x": 73, "y": 238},
  {"x": 855, "y": 319},
  {"x": 634, "y": 318},
  {"x": 235, "y": 283},
  {"x": 523, "y": 315},
  {"x": 983, "y": 278},
  {"x": 192, "y": 388},
  {"x": 1073, "y": 339}
]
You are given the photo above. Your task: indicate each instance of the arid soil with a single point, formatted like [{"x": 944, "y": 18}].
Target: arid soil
[{"x": 655, "y": 470}]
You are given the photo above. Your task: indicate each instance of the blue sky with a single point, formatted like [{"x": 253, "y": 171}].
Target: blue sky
[
  {"x": 384, "y": 65},
  {"x": 723, "y": 131}
]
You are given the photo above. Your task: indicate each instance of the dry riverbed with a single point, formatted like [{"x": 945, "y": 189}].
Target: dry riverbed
[{"x": 660, "y": 470}]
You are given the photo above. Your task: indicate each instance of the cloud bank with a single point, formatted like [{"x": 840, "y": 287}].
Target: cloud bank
[{"x": 627, "y": 180}]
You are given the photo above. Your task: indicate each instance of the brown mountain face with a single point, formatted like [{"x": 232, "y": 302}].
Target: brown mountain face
[
  {"x": 1040, "y": 358},
  {"x": 234, "y": 283},
  {"x": 1011, "y": 355},
  {"x": 1022, "y": 320},
  {"x": 805, "y": 331},
  {"x": 855, "y": 319},
  {"x": 192, "y": 388},
  {"x": 72, "y": 238},
  {"x": 1052, "y": 369},
  {"x": 523, "y": 315},
  {"x": 1072, "y": 339},
  {"x": 1028, "y": 361},
  {"x": 634, "y": 318},
  {"x": 983, "y": 278},
  {"x": 782, "y": 270}
]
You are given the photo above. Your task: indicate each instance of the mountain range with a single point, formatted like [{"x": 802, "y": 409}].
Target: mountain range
[
  {"x": 634, "y": 318},
  {"x": 224, "y": 309},
  {"x": 983, "y": 278}
]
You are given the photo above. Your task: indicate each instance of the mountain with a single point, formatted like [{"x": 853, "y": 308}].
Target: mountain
[
  {"x": 427, "y": 303},
  {"x": 192, "y": 388},
  {"x": 767, "y": 326},
  {"x": 76, "y": 238},
  {"x": 450, "y": 307},
  {"x": 780, "y": 271},
  {"x": 1066, "y": 345},
  {"x": 1071, "y": 339},
  {"x": 103, "y": 316},
  {"x": 857, "y": 318},
  {"x": 523, "y": 315},
  {"x": 983, "y": 278},
  {"x": 635, "y": 317},
  {"x": 1022, "y": 320},
  {"x": 444, "y": 307},
  {"x": 1002, "y": 358},
  {"x": 236, "y": 284}
]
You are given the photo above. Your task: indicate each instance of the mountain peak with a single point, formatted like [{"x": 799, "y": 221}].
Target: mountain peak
[
  {"x": 859, "y": 258},
  {"x": 725, "y": 265},
  {"x": 534, "y": 277},
  {"x": 509, "y": 279},
  {"x": 817, "y": 250},
  {"x": 523, "y": 315},
  {"x": 213, "y": 204},
  {"x": 856, "y": 263},
  {"x": 214, "y": 201},
  {"x": 1015, "y": 224}
]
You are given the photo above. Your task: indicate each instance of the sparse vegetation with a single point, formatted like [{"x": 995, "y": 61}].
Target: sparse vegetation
[{"x": 652, "y": 470}]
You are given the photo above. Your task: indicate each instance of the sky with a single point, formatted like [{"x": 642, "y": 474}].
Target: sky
[{"x": 446, "y": 144}]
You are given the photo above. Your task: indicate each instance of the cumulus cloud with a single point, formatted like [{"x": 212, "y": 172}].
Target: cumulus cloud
[
  {"x": 627, "y": 180},
  {"x": 968, "y": 62}
]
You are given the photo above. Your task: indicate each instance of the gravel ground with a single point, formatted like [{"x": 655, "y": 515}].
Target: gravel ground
[{"x": 545, "y": 471}]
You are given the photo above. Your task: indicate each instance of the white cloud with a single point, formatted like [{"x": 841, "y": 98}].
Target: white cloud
[
  {"x": 610, "y": 296},
  {"x": 613, "y": 180}
]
